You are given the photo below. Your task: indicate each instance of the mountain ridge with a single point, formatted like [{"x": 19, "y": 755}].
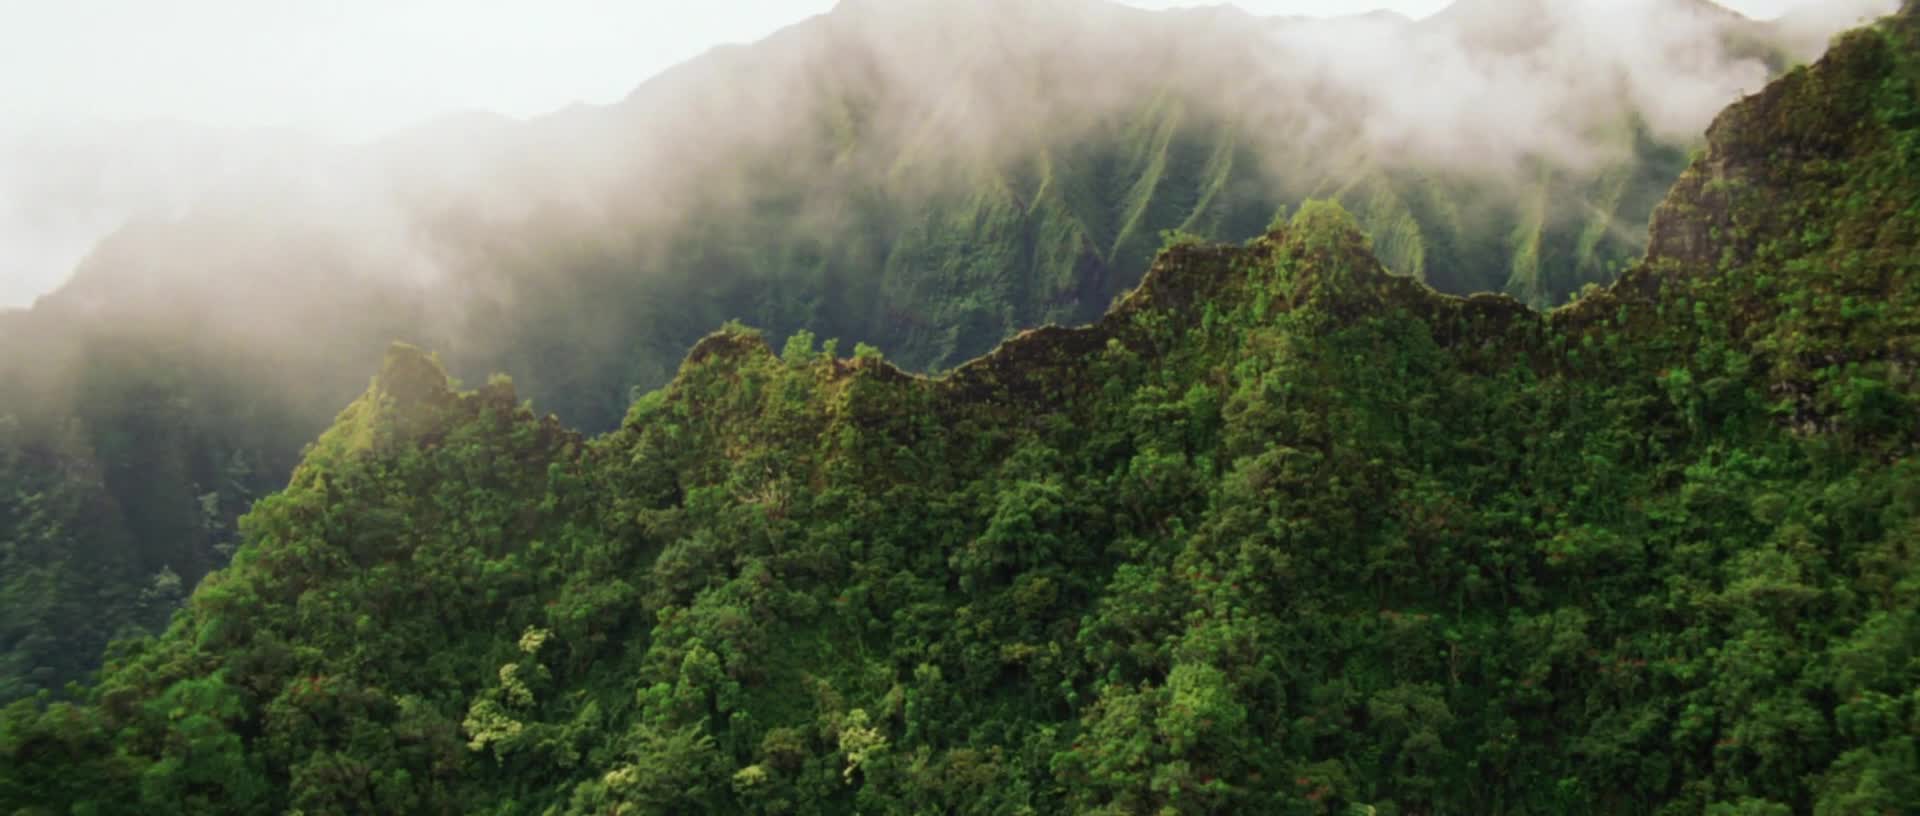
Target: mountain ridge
[
  {"x": 1282, "y": 532},
  {"x": 844, "y": 216}
]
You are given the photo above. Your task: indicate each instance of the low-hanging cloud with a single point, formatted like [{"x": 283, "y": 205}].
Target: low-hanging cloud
[
  {"x": 1485, "y": 85},
  {"x": 880, "y": 93},
  {"x": 66, "y": 184}
]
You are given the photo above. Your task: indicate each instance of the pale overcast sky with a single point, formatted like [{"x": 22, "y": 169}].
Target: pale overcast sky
[{"x": 352, "y": 69}]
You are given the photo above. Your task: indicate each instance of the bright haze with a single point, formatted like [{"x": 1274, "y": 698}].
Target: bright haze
[{"x": 111, "y": 109}]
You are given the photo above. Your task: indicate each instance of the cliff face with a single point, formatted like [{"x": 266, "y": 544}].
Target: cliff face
[
  {"x": 1797, "y": 225},
  {"x": 1800, "y": 131}
]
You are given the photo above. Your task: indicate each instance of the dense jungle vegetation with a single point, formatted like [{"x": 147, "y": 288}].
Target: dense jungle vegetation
[
  {"x": 929, "y": 178},
  {"x": 1281, "y": 533}
]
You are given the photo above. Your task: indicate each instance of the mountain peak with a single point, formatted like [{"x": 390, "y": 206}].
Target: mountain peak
[{"x": 411, "y": 376}]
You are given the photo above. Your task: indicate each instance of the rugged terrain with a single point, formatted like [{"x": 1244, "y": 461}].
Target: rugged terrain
[
  {"x": 1282, "y": 532},
  {"x": 927, "y": 177}
]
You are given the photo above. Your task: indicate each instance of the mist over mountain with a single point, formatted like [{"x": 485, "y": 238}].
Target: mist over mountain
[
  {"x": 926, "y": 177},
  {"x": 64, "y": 199},
  {"x": 906, "y": 102},
  {"x": 65, "y": 185},
  {"x": 1284, "y": 530}
]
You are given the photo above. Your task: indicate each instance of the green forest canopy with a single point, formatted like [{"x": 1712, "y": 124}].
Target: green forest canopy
[
  {"x": 814, "y": 181},
  {"x": 1281, "y": 533}
]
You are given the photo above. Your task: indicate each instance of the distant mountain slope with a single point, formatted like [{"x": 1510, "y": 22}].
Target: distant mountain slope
[
  {"x": 929, "y": 177},
  {"x": 1282, "y": 532},
  {"x": 65, "y": 184}
]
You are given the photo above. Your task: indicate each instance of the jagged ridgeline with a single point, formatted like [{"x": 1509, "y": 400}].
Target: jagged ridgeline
[
  {"x": 1282, "y": 533},
  {"x": 929, "y": 176}
]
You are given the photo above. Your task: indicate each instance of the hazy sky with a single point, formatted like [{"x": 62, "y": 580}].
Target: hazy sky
[{"x": 353, "y": 69}]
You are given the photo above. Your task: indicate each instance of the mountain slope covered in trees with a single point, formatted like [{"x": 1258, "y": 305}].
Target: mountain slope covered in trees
[
  {"x": 928, "y": 177},
  {"x": 1281, "y": 533}
]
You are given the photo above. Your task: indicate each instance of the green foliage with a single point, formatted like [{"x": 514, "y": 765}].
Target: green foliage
[
  {"x": 121, "y": 479},
  {"x": 174, "y": 404},
  {"x": 1282, "y": 533},
  {"x": 1172, "y": 238}
]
